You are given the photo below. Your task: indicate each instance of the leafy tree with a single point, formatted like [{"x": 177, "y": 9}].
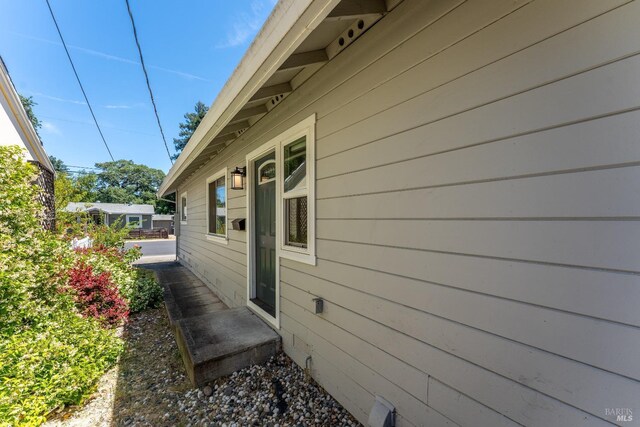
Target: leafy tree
[
  {"x": 58, "y": 164},
  {"x": 86, "y": 183},
  {"x": 192, "y": 120},
  {"x": 28, "y": 103},
  {"x": 166, "y": 205},
  {"x": 124, "y": 181},
  {"x": 65, "y": 191}
]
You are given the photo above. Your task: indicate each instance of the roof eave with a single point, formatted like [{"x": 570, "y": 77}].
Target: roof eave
[
  {"x": 32, "y": 139},
  {"x": 286, "y": 28}
]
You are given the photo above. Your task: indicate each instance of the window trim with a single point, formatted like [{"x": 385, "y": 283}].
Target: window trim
[
  {"x": 183, "y": 209},
  {"x": 306, "y": 128},
  {"x": 309, "y": 256},
  {"x": 218, "y": 238},
  {"x": 127, "y": 216}
]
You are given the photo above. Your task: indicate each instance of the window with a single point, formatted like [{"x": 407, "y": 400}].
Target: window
[
  {"x": 136, "y": 220},
  {"x": 217, "y": 207},
  {"x": 267, "y": 172},
  {"x": 183, "y": 208},
  {"x": 296, "y": 191}
]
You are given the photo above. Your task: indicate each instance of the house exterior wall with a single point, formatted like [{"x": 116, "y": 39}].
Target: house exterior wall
[
  {"x": 146, "y": 220},
  {"x": 45, "y": 181},
  {"x": 476, "y": 203}
]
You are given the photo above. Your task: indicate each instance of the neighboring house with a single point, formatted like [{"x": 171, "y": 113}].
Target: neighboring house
[
  {"x": 458, "y": 181},
  {"x": 162, "y": 221},
  {"x": 16, "y": 129},
  {"x": 109, "y": 213}
]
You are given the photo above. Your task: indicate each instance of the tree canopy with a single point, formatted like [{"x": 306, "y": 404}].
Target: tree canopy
[
  {"x": 58, "y": 164},
  {"x": 28, "y": 103},
  {"x": 192, "y": 120},
  {"x": 122, "y": 181}
]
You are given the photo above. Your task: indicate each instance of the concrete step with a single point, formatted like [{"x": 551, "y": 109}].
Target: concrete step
[
  {"x": 214, "y": 340},
  {"x": 219, "y": 343}
]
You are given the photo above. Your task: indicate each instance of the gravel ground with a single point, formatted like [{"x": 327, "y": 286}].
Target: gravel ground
[{"x": 149, "y": 387}]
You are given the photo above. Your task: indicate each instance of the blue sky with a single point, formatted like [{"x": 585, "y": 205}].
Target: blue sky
[{"x": 190, "y": 49}]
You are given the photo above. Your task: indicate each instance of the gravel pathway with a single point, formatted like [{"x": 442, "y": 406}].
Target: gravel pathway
[{"x": 149, "y": 387}]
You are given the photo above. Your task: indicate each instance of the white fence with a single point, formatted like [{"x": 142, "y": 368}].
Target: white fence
[{"x": 83, "y": 243}]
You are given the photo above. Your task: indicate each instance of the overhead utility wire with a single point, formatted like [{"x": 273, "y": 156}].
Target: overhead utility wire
[
  {"x": 146, "y": 76},
  {"x": 78, "y": 78},
  {"x": 81, "y": 167}
]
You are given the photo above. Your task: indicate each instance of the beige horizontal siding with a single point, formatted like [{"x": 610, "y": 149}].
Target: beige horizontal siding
[
  {"x": 437, "y": 316},
  {"x": 478, "y": 217}
]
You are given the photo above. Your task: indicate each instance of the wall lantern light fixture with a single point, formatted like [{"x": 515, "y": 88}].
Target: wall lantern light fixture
[{"x": 237, "y": 178}]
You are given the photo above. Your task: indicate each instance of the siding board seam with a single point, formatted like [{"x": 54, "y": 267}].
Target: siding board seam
[
  {"x": 582, "y": 267},
  {"x": 443, "y": 285},
  {"x": 522, "y": 91},
  {"x": 461, "y": 324},
  {"x": 444, "y": 351},
  {"x": 474, "y": 400},
  {"x": 195, "y": 247},
  {"x": 338, "y": 369},
  {"x": 217, "y": 266},
  {"x": 487, "y": 180},
  {"x": 432, "y": 55},
  {"x": 489, "y": 218},
  {"x": 208, "y": 248},
  {"x": 356, "y": 360},
  {"x": 487, "y": 142}
]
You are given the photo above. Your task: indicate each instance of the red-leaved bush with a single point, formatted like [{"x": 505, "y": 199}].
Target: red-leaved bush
[
  {"x": 96, "y": 295},
  {"x": 112, "y": 253}
]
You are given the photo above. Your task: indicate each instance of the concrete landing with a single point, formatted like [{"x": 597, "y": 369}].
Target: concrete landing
[
  {"x": 218, "y": 344},
  {"x": 214, "y": 340}
]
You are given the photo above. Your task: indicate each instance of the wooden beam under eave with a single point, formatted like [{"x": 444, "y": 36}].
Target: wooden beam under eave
[
  {"x": 303, "y": 59},
  {"x": 353, "y": 9},
  {"x": 249, "y": 112},
  {"x": 269, "y": 91},
  {"x": 233, "y": 127}
]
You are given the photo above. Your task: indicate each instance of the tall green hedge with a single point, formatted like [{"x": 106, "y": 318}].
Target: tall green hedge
[{"x": 50, "y": 356}]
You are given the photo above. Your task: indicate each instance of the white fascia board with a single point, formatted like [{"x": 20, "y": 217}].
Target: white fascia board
[
  {"x": 286, "y": 28},
  {"x": 24, "y": 127}
]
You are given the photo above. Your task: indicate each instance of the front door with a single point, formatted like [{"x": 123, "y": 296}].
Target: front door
[{"x": 265, "y": 232}]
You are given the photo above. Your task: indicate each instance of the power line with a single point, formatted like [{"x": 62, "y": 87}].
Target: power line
[
  {"x": 146, "y": 76},
  {"x": 91, "y": 124},
  {"x": 78, "y": 78},
  {"x": 81, "y": 167}
]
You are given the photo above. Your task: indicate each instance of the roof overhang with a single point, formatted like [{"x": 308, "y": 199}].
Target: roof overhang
[
  {"x": 297, "y": 39},
  {"x": 21, "y": 121}
]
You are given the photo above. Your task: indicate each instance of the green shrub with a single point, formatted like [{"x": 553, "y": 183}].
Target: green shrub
[
  {"x": 147, "y": 293},
  {"x": 54, "y": 365},
  {"x": 50, "y": 356},
  {"x": 139, "y": 287},
  {"x": 80, "y": 224}
]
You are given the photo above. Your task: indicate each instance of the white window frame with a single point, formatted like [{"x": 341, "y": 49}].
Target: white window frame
[
  {"x": 308, "y": 255},
  {"x": 136, "y": 215},
  {"x": 183, "y": 209},
  {"x": 305, "y": 128},
  {"x": 218, "y": 238}
]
